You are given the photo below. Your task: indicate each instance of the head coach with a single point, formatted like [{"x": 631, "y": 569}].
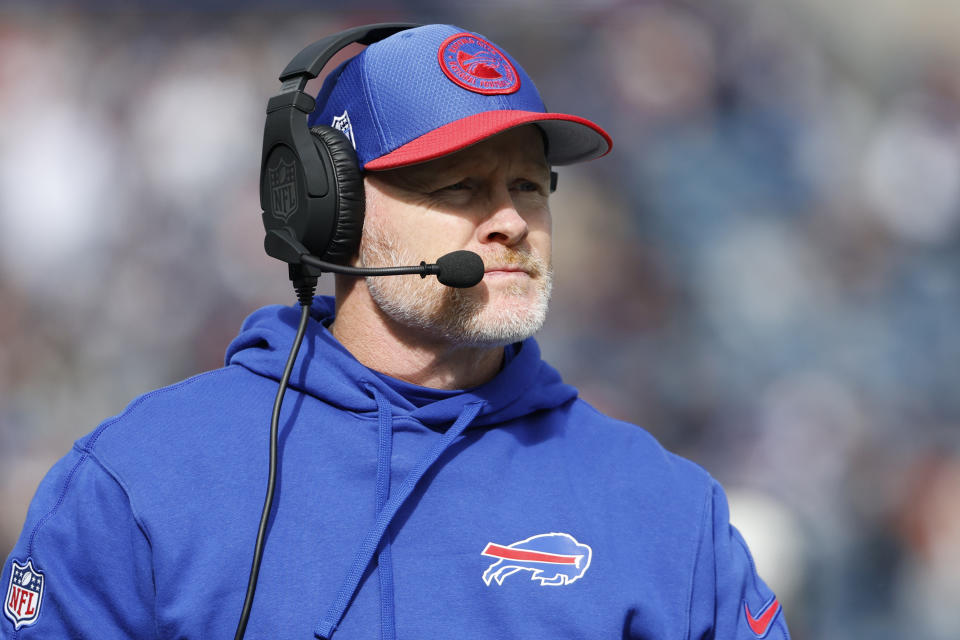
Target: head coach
[{"x": 430, "y": 476}]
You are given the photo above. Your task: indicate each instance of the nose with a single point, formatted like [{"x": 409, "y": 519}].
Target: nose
[{"x": 503, "y": 224}]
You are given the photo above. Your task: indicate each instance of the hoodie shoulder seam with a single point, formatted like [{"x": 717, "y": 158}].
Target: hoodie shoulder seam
[
  {"x": 91, "y": 443},
  {"x": 118, "y": 480}
]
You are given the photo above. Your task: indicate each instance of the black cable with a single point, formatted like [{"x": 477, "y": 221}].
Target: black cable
[{"x": 303, "y": 294}]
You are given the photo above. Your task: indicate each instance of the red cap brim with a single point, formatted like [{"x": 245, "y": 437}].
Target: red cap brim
[{"x": 570, "y": 139}]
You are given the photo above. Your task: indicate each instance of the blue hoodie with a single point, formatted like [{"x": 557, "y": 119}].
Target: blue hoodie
[{"x": 510, "y": 510}]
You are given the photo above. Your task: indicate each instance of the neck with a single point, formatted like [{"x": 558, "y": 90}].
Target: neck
[{"x": 408, "y": 354}]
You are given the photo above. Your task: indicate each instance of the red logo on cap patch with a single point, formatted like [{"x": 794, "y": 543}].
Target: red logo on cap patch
[{"x": 477, "y": 65}]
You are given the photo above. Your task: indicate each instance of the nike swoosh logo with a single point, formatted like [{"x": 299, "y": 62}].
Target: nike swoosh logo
[{"x": 760, "y": 624}]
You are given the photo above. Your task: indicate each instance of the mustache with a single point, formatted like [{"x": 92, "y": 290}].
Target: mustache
[{"x": 508, "y": 257}]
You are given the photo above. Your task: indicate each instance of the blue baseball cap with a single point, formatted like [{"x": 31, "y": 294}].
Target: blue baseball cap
[{"x": 429, "y": 91}]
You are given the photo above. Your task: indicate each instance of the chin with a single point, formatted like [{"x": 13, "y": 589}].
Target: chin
[{"x": 502, "y": 319}]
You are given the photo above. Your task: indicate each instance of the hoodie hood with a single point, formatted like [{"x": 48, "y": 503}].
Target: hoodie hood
[{"x": 326, "y": 370}]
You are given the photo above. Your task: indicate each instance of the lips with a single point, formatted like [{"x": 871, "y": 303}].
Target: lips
[
  {"x": 506, "y": 271},
  {"x": 529, "y": 269}
]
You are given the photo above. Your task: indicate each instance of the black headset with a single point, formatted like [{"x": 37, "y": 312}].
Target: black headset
[{"x": 311, "y": 184}]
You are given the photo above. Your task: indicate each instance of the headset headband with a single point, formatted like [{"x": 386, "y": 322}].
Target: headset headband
[{"x": 310, "y": 61}]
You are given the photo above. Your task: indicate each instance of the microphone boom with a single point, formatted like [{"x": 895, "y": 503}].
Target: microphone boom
[{"x": 460, "y": 269}]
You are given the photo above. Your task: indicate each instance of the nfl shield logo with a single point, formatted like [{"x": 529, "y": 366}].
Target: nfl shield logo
[
  {"x": 343, "y": 124},
  {"x": 283, "y": 190},
  {"x": 24, "y": 594}
]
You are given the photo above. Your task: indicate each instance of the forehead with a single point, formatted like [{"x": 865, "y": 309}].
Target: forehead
[{"x": 521, "y": 148}]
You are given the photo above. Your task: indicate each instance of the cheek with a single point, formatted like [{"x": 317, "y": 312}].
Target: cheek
[
  {"x": 389, "y": 222},
  {"x": 416, "y": 234},
  {"x": 542, "y": 245},
  {"x": 541, "y": 232},
  {"x": 443, "y": 232}
]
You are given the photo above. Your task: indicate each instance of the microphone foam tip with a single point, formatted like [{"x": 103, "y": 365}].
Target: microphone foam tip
[{"x": 460, "y": 269}]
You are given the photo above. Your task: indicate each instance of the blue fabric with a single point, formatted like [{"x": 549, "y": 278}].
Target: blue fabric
[
  {"x": 146, "y": 528},
  {"x": 395, "y": 91},
  {"x": 372, "y": 539},
  {"x": 422, "y": 396}
]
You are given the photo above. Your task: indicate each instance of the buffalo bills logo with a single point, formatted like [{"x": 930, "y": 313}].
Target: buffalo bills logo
[
  {"x": 553, "y": 558},
  {"x": 24, "y": 594},
  {"x": 477, "y": 65}
]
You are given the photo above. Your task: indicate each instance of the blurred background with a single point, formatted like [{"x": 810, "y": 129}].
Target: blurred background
[{"x": 763, "y": 273}]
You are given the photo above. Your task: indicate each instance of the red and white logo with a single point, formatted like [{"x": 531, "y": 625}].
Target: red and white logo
[
  {"x": 554, "y": 559},
  {"x": 477, "y": 65},
  {"x": 24, "y": 594}
]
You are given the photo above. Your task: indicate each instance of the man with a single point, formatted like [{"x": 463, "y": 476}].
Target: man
[{"x": 436, "y": 477}]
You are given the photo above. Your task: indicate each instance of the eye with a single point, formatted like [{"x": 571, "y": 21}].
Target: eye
[
  {"x": 527, "y": 186},
  {"x": 454, "y": 187}
]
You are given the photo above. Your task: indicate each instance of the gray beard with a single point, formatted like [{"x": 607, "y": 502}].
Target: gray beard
[{"x": 459, "y": 316}]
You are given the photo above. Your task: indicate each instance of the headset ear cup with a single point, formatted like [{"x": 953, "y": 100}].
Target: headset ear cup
[{"x": 350, "y": 199}]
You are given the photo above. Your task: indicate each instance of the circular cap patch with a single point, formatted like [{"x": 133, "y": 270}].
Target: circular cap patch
[{"x": 477, "y": 65}]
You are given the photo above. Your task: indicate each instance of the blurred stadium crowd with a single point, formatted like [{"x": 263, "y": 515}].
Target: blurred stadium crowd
[{"x": 763, "y": 273}]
